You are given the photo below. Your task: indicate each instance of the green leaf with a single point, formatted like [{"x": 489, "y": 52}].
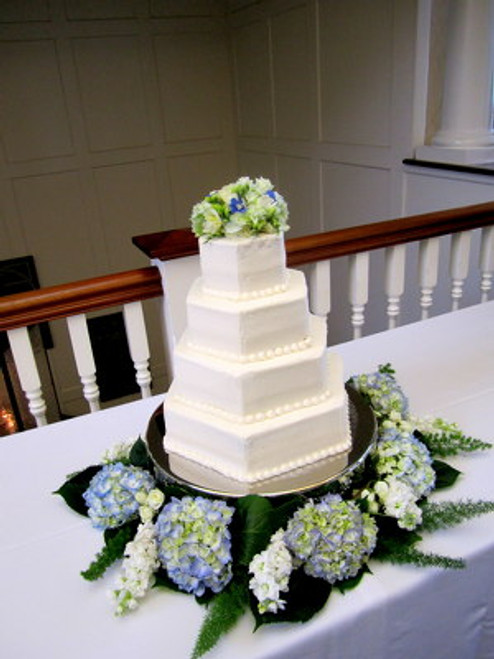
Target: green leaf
[
  {"x": 75, "y": 486},
  {"x": 253, "y": 526},
  {"x": 113, "y": 549},
  {"x": 223, "y": 613},
  {"x": 139, "y": 456},
  {"x": 391, "y": 539},
  {"x": 306, "y": 597},
  {"x": 446, "y": 476}
]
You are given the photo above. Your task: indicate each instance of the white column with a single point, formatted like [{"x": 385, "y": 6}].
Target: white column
[{"x": 465, "y": 135}]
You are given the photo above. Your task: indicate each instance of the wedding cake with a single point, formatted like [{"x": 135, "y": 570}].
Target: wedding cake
[{"x": 255, "y": 393}]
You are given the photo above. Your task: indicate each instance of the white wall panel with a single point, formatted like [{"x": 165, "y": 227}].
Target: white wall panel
[
  {"x": 99, "y": 9},
  {"x": 130, "y": 191},
  {"x": 354, "y": 195},
  {"x": 295, "y": 180},
  {"x": 24, "y": 10},
  {"x": 192, "y": 177},
  {"x": 356, "y": 48},
  {"x": 111, "y": 85},
  {"x": 427, "y": 191},
  {"x": 257, "y": 163},
  {"x": 293, "y": 74},
  {"x": 253, "y": 79},
  {"x": 48, "y": 206},
  {"x": 33, "y": 116},
  {"x": 194, "y": 85}
]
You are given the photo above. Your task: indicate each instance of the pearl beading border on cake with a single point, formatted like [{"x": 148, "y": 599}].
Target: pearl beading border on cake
[
  {"x": 262, "y": 355},
  {"x": 258, "y": 417},
  {"x": 265, "y": 474},
  {"x": 247, "y": 295}
]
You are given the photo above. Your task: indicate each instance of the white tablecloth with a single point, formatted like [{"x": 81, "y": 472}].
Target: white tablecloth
[{"x": 446, "y": 365}]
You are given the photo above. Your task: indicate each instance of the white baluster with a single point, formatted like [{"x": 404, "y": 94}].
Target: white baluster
[
  {"x": 25, "y": 363},
  {"x": 428, "y": 272},
  {"x": 135, "y": 328},
  {"x": 458, "y": 265},
  {"x": 84, "y": 359},
  {"x": 394, "y": 281},
  {"x": 358, "y": 290},
  {"x": 320, "y": 288},
  {"x": 486, "y": 261}
]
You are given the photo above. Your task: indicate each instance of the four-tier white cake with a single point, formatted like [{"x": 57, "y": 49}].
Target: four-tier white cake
[{"x": 255, "y": 395}]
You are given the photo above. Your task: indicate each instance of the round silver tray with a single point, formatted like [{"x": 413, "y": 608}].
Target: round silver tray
[{"x": 169, "y": 467}]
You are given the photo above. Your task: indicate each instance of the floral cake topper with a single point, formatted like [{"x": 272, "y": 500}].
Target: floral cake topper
[{"x": 245, "y": 208}]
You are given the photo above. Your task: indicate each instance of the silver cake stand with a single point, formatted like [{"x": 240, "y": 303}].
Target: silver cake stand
[{"x": 171, "y": 468}]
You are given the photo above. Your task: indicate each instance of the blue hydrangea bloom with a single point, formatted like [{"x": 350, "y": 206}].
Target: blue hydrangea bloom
[
  {"x": 405, "y": 457},
  {"x": 111, "y": 495},
  {"x": 332, "y": 538},
  {"x": 385, "y": 394},
  {"x": 194, "y": 543}
]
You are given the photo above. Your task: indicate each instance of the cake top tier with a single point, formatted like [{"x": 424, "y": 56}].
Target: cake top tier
[{"x": 242, "y": 209}]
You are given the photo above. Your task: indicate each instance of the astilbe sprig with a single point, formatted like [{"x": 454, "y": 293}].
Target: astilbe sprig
[
  {"x": 222, "y": 614},
  {"x": 442, "y": 515},
  {"x": 444, "y": 438},
  {"x": 403, "y": 555}
]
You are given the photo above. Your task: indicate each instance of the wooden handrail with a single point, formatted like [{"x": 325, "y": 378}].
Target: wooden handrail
[
  {"x": 51, "y": 303},
  {"x": 177, "y": 243},
  {"x": 55, "y": 302}
]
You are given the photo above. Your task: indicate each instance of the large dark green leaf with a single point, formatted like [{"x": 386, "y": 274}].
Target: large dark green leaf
[
  {"x": 446, "y": 476},
  {"x": 75, "y": 486},
  {"x": 252, "y": 527},
  {"x": 139, "y": 456},
  {"x": 306, "y": 597}
]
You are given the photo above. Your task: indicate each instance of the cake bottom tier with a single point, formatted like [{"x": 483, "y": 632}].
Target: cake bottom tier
[{"x": 259, "y": 451}]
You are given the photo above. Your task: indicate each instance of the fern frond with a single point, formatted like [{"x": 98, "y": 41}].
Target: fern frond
[{"x": 450, "y": 513}]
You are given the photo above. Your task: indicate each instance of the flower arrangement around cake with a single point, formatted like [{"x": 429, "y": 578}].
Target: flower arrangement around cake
[
  {"x": 241, "y": 209},
  {"x": 279, "y": 557}
]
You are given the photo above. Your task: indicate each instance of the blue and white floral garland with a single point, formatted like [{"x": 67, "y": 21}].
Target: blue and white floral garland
[{"x": 279, "y": 557}]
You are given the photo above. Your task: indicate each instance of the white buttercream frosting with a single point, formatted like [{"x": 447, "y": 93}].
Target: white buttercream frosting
[{"x": 255, "y": 393}]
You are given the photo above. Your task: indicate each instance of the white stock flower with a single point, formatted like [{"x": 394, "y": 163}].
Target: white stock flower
[
  {"x": 117, "y": 452},
  {"x": 139, "y": 565},
  {"x": 271, "y": 569}
]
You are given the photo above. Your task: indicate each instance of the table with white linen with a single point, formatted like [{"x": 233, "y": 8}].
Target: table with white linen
[{"x": 445, "y": 365}]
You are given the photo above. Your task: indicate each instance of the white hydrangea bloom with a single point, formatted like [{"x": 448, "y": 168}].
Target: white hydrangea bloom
[
  {"x": 271, "y": 569},
  {"x": 138, "y": 568}
]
